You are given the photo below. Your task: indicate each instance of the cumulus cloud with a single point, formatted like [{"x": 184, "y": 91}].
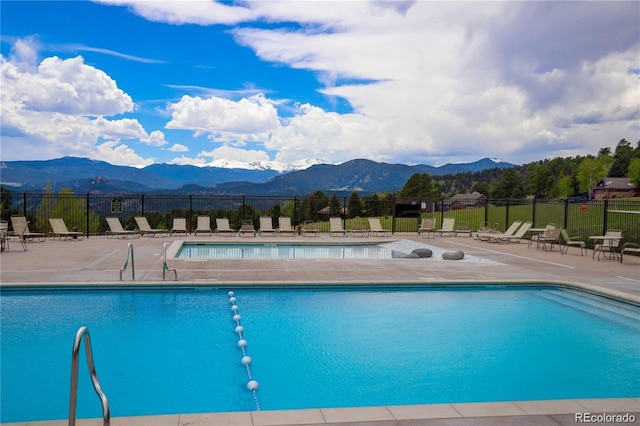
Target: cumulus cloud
[
  {"x": 61, "y": 106},
  {"x": 226, "y": 152},
  {"x": 225, "y": 120},
  {"x": 177, "y": 147}
]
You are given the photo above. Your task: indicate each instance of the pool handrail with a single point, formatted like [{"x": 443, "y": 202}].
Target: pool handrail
[
  {"x": 126, "y": 263},
  {"x": 165, "y": 267},
  {"x": 106, "y": 417}
]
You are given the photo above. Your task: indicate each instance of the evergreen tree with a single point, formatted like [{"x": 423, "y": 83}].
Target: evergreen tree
[
  {"x": 354, "y": 206},
  {"x": 334, "y": 206},
  {"x": 509, "y": 185},
  {"x": 623, "y": 155},
  {"x": 5, "y": 203}
]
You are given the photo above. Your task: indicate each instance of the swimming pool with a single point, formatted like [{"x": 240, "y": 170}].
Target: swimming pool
[
  {"x": 161, "y": 351},
  {"x": 305, "y": 250}
]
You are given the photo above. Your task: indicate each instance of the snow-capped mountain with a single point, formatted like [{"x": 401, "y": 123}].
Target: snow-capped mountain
[{"x": 268, "y": 165}]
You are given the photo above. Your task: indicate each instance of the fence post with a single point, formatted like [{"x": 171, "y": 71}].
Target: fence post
[
  {"x": 142, "y": 204},
  {"x": 605, "y": 218},
  {"x": 533, "y": 214},
  {"x": 486, "y": 210},
  {"x": 393, "y": 215},
  {"x": 190, "y": 212},
  {"x": 566, "y": 213},
  {"x": 441, "y": 212},
  {"x": 87, "y": 213},
  {"x": 506, "y": 215}
]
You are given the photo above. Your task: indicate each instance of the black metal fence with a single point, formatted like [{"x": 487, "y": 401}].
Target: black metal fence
[{"x": 87, "y": 212}]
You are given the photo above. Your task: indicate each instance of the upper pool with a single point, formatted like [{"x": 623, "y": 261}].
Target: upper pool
[
  {"x": 175, "y": 350},
  {"x": 306, "y": 250}
]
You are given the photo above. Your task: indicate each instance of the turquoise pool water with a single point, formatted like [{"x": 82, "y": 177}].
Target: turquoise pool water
[
  {"x": 201, "y": 250},
  {"x": 161, "y": 351}
]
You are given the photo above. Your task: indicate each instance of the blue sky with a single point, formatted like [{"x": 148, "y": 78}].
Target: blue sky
[{"x": 431, "y": 82}]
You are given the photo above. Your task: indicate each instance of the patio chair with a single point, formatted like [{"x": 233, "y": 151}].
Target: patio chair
[
  {"x": 145, "y": 229},
  {"x": 447, "y": 226},
  {"x": 284, "y": 226},
  {"x": 223, "y": 227},
  {"x": 61, "y": 231},
  {"x": 572, "y": 241},
  {"x": 20, "y": 226},
  {"x": 427, "y": 226},
  {"x": 629, "y": 247},
  {"x": 203, "y": 224},
  {"x": 179, "y": 226},
  {"x": 375, "y": 227},
  {"x": 309, "y": 228},
  {"x": 266, "y": 226},
  {"x": 116, "y": 229},
  {"x": 4, "y": 235},
  {"x": 519, "y": 234},
  {"x": 496, "y": 235},
  {"x": 608, "y": 245},
  {"x": 247, "y": 228},
  {"x": 550, "y": 237},
  {"x": 335, "y": 227}
]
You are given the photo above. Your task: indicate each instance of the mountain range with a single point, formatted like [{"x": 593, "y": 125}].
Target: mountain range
[{"x": 83, "y": 175}]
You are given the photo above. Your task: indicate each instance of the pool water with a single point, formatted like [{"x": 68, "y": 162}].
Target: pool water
[
  {"x": 284, "y": 251},
  {"x": 175, "y": 350}
]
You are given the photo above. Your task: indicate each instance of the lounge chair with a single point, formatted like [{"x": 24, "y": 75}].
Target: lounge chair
[
  {"x": 359, "y": 229},
  {"x": 60, "y": 230},
  {"x": 309, "y": 228},
  {"x": 266, "y": 226},
  {"x": 203, "y": 225},
  {"x": 179, "y": 226},
  {"x": 223, "y": 227},
  {"x": 335, "y": 226},
  {"x": 447, "y": 226},
  {"x": 427, "y": 226},
  {"x": 463, "y": 228},
  {"x": 116, "y": 229},
  {"x": 519, "y": 234},
  {"x": 572, "y": 241},
  {"x": 247, "y": 228},
  {"x": 146, "y": 229},
  {"x": 4, "y": 235},
  {"x": 629, "y": 247},
  {"x": 376, "y": 228},
  {"x": 608, "y": 245},
  {"x": 496, "y": 236},
  {"x": 284, "y": 226},
  {"x": 20, "y": 226}
]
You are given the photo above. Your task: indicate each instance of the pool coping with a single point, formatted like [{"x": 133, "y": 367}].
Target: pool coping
[{"x": 589, "y": 288}]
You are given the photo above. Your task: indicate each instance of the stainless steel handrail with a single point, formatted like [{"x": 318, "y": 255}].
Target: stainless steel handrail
[
  {"x": 166, "y": 268},
  {"x": 84, "y": 332},
  {"x": 126, "y": 263}
]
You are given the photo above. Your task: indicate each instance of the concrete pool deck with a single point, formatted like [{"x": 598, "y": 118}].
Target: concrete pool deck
[{"x": 98, "y": 260}]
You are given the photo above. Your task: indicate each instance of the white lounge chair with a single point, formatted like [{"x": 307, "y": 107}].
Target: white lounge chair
[
  {"x": 284, "y": 226},
  {"x": 266, "y": 226},
  {"x": 116, "y": 229},
  {"x": 427, "y": 226},
  {"x": 203, "y": 225},
  {"x": 61, "y": 231},
  {"x": 223, "y": 227},
  {"x": 179, "y": 226},
  {"x": 146, "y": 229},
  {"x": 20, "y": 226},
  {"x": 496, "y": 236},
  {"x": 447, "y": 226},
  {"x": 247, "y": 228},
  {"x": 309, "y": 228},
  {"x": 335, "y": 226},
  {"x": 376, "y": 228}
]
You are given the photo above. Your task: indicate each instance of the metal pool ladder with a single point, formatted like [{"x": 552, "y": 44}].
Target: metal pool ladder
[
  {"x": 106, "y": 418},
  {"x": 126, "y": 262}
]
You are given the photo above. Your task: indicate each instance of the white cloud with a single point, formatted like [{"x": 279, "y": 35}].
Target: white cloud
[
  {"x": 61, "y": 107},
  {"x": 225, "y": 120},
  {"x": 156, "y": 138},
  {"x": 227, "y": 152},
  {"x": 177, "y": 147}
]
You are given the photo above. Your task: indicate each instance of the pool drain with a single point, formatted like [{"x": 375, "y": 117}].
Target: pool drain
[{"x": 252, "y": 384}]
